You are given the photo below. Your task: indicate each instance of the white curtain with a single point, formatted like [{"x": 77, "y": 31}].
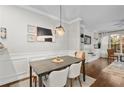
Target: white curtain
[{"x": 104, "y": 46}]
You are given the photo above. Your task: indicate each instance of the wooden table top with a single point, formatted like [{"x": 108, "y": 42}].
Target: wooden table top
[{"x": 45, "y": 66}]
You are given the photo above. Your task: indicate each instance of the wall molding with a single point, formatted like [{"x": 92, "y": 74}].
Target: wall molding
[
  {"x": 23, "y": 59},
  {"x": 49, "y": 15},
  {"x": 75, "y": 20},
  {"x": 41, "y": 13}
]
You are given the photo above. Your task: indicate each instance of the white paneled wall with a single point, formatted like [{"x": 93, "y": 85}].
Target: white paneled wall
[
  {"x": 16, "y": 19},
  {"x": 20, "y": 64},
  {"x": 74, "y": 36},
  {"x": 21, "y": 52},
  {"x": 16, "y": 24}
]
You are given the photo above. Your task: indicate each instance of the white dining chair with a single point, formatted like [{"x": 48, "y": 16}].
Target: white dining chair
[
  {"x": 80, "y": 54},
  {"x": 74, "y": 73},
  {"x": 57, "y": 78}
]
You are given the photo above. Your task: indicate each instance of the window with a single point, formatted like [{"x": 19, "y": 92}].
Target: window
[
  {"x": 122, "y": 43},
  {"x": 115, "y": 42}
]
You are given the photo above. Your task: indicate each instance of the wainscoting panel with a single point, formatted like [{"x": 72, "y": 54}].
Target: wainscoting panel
[
  {"x": 20, "y": 63},
  {"x": 21, "y": 66}
]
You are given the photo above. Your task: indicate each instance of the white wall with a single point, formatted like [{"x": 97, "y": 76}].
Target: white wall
[
  {"x": 85, "y": 31},
  {"x": 74, "y": 36},
  {"x": 16, "y": 20},
  {"x": 104, "y": 46},
  {"x": 86, "y": 46}
]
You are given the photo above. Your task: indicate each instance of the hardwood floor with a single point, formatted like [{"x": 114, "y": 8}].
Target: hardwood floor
[{"x": 94, "y": 69}]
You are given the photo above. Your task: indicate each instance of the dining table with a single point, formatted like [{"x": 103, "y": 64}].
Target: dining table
[{"x": 44, "y": 67}]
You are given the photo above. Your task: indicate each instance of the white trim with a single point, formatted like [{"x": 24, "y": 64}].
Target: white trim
[
  {"x": 19, "y": 57},
  {"x": 75, "y": 20},
  {"x": 41, "y": 13},
  {"x": 49, "y": 15},
  {"x": 82, "y": 26}
]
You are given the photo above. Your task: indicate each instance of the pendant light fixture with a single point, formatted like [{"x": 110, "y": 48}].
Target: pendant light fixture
[
  {"x": 60, "y": 30},
  {"x": 3, "y": 30}
]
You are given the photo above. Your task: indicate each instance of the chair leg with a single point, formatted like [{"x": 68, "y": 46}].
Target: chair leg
[
  {"x": 68, "y": 82},
  {"x": 71, "y": 82},
  {"x": 35, "y": 80},
  {"x": 79, "y": 81},
  {"x": 45, "y": 77},
  {"x": 108, "y": 60}
]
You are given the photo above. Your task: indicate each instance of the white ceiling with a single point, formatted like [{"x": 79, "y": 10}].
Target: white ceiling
[{"x": 92, "y": 15}]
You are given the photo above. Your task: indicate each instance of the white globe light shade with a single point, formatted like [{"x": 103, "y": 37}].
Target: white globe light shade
[{"x": 60, "y": 30}]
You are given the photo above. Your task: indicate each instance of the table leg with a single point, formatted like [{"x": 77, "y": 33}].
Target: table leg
[
  {"x": 83, "y": 63},
  {"x": 40, "y": 81},
  {"x": 30, "y": 76}
]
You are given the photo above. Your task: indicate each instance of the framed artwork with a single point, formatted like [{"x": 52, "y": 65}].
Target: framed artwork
[
  {"x": 31, "y": 38},
  {"x": 87, "y": 39},
  {"x": 40, "y": 34},
  {"x": 32, "y": 29},
  {"x": 97, "y": 46},
  {"x": 82, "y": 38},
  {"x": 3, "y": 33},
  {"x": 82, "y": 35}
]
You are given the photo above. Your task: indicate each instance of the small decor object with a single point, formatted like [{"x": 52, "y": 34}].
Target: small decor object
[
  {"x": 97, "y": 46},
  {"x": 122, "y": 58},
  {"x": 96, "y": 36},
  {"x": 82, "y": 38},
  {"x": 57, "y": 60},
  {"x": 87, "y": 39},
  {"x": 3, "y": 33},
  {"x": 1, "y": 46}
]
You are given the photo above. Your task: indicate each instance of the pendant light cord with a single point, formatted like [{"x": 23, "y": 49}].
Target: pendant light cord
[{"x": 60, "y": 14}]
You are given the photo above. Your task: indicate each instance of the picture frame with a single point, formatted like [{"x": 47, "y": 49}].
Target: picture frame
[
  {"x": 38, "y": 34},
  {"x": 31, "y": 29},
  {"x": 31, "y": 38},
  {"x": 82, "y": 38},
  {"x": 87, "y": 39},
  {"x": 122, "y": 58},
  {"x": 3, "y": 33}
]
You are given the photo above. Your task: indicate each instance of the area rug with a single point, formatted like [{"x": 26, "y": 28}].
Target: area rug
[
  {"x": 116, "y": 68},
  {"x": 89, "y": 81}
]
